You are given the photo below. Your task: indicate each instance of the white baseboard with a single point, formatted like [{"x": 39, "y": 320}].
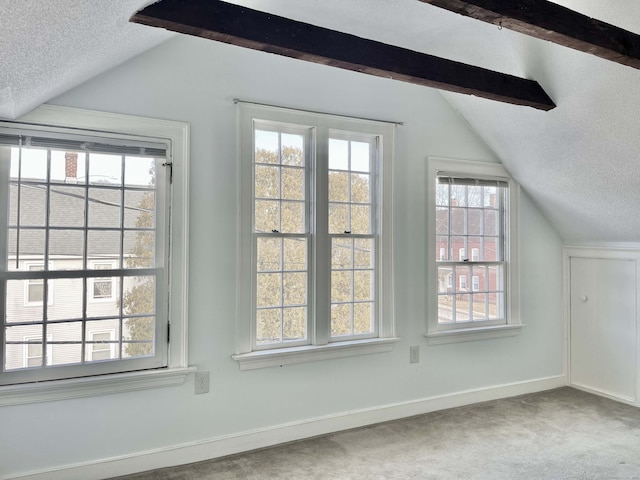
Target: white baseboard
[{"x": 266, "y": 437}]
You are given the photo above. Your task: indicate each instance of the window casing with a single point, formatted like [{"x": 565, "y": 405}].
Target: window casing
[
  {"x": 473, "y": 207},
  {"x": 36, "y": 159},
  {"x": 316, "y": 232}
]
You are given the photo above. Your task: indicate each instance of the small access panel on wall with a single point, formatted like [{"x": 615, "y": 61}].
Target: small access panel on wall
[{"x": 603, "y": 326}]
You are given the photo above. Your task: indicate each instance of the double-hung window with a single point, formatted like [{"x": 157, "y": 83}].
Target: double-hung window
[
  {"x": 315, "y": 259},
  {"x": 89, "y": 212},
  {"x": 473, "y": 282}
]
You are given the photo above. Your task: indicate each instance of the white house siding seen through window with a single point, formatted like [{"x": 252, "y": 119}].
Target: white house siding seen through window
[
  {"x": 316, "y": 230},
  {"x": 87, "y": 214},
  {"x": 470, "y": 217}
]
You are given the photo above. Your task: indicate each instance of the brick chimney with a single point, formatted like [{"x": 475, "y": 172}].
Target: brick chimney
[{"x": 71, "y": 167}]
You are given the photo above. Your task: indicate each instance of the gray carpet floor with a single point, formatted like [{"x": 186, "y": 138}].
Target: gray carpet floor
[{"x": 558, "y": 434}]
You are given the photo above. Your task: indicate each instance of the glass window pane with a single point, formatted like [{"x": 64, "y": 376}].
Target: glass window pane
[
  {"x": 292, "y": 183},
  {"x": 18, "y": 307},
  {"x": 360, "y": 219},
  {"x": 109, "y": 306},
  {"x": 442, "y": 194},
  {"x": 480, "y": 273},
  {"x": 360, "y": 188},
  {"x": 338, "y": 218},
  {"x": 363, "y": 286},
  {"x": 104, "y": 245},
  {"x": 491, "y": 225},
  {"x": 463, "y": 303},
  {"x": 363, "y": 318},
  {"x": 139, "y": 209},
  {"x": 105, "y": 169},
  {"x": 104, "y": 207},
  {"x": 360, "y": 157},
  {"x": 363, "y": 253},
  {"x": 474, "y": 221},
  {"x": 474, "y": 196},
  {"x": 491, "y": 196},
  {"x": 341, "y": 319},
  {"x": 480, "y": 304},
  {"x": 445, "y": 282},
  {"x": 23, "y": 347},
  {"x": 33, "y": 199},
  {"x": 442, "y": 220},
  {"x": 341, "y": 286},
  {"x": 33, "y": 165},
  {"x": 68, "y": 167},
  {"x": 294, "y": 288},
  {"x": 269, "y": 253},
  {"x": 458, "y": 196},
  {"x": 138, "y": 337},
  {"x": 294, "y": 323},
  {"x": 491, "y": 249},
  {"x": 496, "y": 306},
  {"x": 293, "y": 218},
  {"x": 341, "y": 253},
  {"x": 295, "y": 253},
  {"x": 338, "y": 186},
  {"x": 69, "y": 245},
  {"x": 139, "y": 171},
  {"x": 69, "y": 349},
  {"x": 67, "y": 206},
  {"x": 267, "y": 181},
  {"x": 139, "y": 249},
  {"x": 65, "y": 299},
  {"x": 139, "y": 295},
  {"x": 269, "y": 290},
  {"x": 267, "y": 213},
  {"x": 266, "y": 147},
  {"x": 292, "y": 149},
  {"x": 458, "y": 221},
  {"x": 338, "y": 154},
  {"x": 268, "y": 325},
  {"x": 445, "y": 308}
]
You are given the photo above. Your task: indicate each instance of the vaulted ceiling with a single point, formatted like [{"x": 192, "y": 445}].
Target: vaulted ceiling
[{"x": 579, "y": 161}]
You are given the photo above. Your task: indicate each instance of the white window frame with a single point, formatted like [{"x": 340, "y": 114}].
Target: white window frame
[
  {"x": 319, "y": 345},
  {"x": 463, "y": 282},
  {"x": 27, "y": 285},
  {"x": 475, "y": 254},
  {"x": 442, "y": 333},
  {"x": 176, "y": 135},
  {"x": 475, "y": 283}
]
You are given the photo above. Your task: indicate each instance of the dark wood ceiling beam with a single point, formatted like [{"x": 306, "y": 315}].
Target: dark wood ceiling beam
[
  {"x": 555, "y": 23},
  {"x": 237, "y": 25}
]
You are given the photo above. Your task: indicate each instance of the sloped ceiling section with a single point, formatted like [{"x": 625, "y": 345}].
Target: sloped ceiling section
[
  {"x": 48, "y": 47},
  {"x": 579, "y": 162}
]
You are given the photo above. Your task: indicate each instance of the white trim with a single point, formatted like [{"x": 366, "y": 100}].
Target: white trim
[
  {"x": 436, "y": 332},
  {"x": 260, "y": 438},
  {"x": 91, "y": 386},
  {"x": 311, "y": 353},
  {"x": 176, "y": 134},
  {"x": 471, "y": 334}
]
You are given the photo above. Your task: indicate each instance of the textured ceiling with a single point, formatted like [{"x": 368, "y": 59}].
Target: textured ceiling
[
  {"x": 50, "y": 46},
  {"x": 579, "y": 162}
]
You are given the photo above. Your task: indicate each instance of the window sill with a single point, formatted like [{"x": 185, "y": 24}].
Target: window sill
[
  {"x": 90, "y": 386},
  {"x": 311, "y": 353},
  {"x": 472, "y": 334}
]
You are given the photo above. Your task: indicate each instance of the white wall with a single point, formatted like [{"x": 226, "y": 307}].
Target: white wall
[{"x": 195, "y": 80}]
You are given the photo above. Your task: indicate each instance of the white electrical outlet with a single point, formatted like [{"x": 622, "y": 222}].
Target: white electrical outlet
[
  {"x": 202, "y": 382},
  {"x": 414, "y": 354}
]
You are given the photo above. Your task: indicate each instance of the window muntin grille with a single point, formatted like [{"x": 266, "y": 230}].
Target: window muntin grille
[
  {"x": 470, "y": 217},
  {"x": 70, "y": 205}
]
